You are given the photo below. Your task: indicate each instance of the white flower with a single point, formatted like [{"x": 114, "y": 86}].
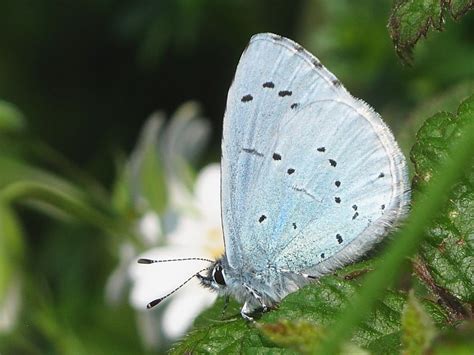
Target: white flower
[
  {"x": 184, "y": 224},
  {"x": 197, "y": 234},
  {"x": 149, "y": 227}
]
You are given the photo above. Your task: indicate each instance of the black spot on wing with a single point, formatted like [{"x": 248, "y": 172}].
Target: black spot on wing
[
  {"x": 276, "y": 37},
  {"x": 276, "y": 156},
  {"x": 322, "y": 255},
  {"x": 294, "y": 225},
  {"x": 298, "y": 47},
  {"x": 336, "y": 83},
  {"x": 381, "y": 175},
  {"x": 262, "y": 218},
  {"x": 354, "y": 207},
  {"x": 284, "y": 93},
  {"x": 252, "y": 151},
  {"x": 337, "y": 199},
  {"x": 321, "y": 149},
  {"x": 355, "y": 215},
  {"x": 290, "y": 171},
  {"x": 332, "y": 162},
  {"x": 337, "y": 183},
  {"x": 317, "y": 64},
  {"x": 293, "y": 106},
  {"x": 269, "y": 85},
  {"x": 382, "y": 207},
  {"x": 339, "y": 238},
  {"x": 246, "y": 98}
]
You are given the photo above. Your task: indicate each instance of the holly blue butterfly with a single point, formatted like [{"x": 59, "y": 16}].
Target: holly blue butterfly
[{"x": 311, "y": 176}]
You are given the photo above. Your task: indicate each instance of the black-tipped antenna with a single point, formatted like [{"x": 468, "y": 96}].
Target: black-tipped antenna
[
  {"x": 151, "y": 261},
  {"x": 158, "y": 300}
]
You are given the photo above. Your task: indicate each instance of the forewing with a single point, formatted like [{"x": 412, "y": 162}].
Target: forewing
[{"x": 290, "y": 132}]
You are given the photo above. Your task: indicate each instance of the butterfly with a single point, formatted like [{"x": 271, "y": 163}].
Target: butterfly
[{"x": 311, "y": 177}]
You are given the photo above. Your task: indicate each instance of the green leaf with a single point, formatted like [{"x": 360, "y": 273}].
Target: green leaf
[
  {"x": 147, "y": 180},
  {"x": 418, "y": 329},
  {"x": 214, "y": 333},
  {"x": 11, "y": 119},
  {"x": 457, "y": 341},
  {"x": 448, "y": 100},
  {"x": 459, "y": 7},
  {"x": 412, "y": 19},
  {"x": 315, "y": 304},
  {"x": 447, "y": 254},
  {"x": 11, "y": 244},
  {"x": 121, "y": 198},
  {"x": 301, "y": 336},
  {"x": 11, "y": 257},
  {"x": 49, "y": 193}
]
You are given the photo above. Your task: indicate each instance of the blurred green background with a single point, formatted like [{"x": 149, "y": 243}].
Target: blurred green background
[{"x": 85, "y": 75}]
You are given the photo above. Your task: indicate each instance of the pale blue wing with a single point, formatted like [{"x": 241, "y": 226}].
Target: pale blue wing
[
  {"x": 258, "y": 99},
  {"x": 344, "y": 190},
  {"x": 298, "y": 152}
]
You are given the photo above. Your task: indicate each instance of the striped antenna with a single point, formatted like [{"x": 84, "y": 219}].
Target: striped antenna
[
  {"x": 151, "y": 261},
  {"x": 158, "y": 300}
]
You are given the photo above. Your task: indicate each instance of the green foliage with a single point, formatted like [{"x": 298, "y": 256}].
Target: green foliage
[
  {"x": 307, "y": 315},
  {"x": 11, "y": 251},
  {"x": 412, "y": 19},
  {"x": 11, "y": 119},
  {"x": 447, "y": 254},
  {"x": 146, "y": 171},
  {"x": 52, "y": 194},
  {"x": 301, "y": 336},
  {"x": 458, "y": 341},
  {"x": 418, "y": 329},
  {"x": 448, "y": 100}
]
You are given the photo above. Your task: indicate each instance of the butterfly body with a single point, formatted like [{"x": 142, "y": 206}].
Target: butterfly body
[
  {"x": 311, "y": 177},
  {"x": 254, "y": 287}
]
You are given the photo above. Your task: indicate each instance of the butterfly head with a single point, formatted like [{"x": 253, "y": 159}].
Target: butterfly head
[{"x": 215, "y": 277}]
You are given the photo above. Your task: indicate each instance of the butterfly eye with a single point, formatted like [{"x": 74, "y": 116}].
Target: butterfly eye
[{"x": 218, "y": 275}]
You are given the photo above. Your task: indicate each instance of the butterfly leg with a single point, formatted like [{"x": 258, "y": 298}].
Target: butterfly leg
[
  {"x": 245, "y": 311},
  {"x": 257, "y": 297}
]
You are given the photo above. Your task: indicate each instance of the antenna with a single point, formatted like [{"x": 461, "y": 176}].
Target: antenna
[
  {"x": 158, "y": 300},
  {"x": 151, "y": 261}
]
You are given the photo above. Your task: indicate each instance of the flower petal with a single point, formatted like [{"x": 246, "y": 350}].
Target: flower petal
[
  {"x": 190, "y": 232},
  {"x": 183, "y": 140},
  {"x": 207, "y": 191},
  {"x": 184, "y": 308},
  {"x": 149, "y": 228},
  {"x": 117, "y": 281},
  {"x": 198, "y": 234}
]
